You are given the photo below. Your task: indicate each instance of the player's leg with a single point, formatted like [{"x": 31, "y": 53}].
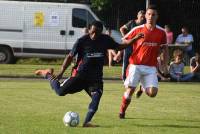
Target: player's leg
[
  {"x": 69, "y": 86},
  {"x": 139, "y": 92},
  {"x": 95, "y": 93},
  {"x": 126, "y": 100},
  {"x": 150, "y": 81},
  {"x": 130, "y": 84}
]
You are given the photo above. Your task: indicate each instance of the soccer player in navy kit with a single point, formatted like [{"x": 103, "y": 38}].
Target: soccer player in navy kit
[{"x": 88, "y": 71}]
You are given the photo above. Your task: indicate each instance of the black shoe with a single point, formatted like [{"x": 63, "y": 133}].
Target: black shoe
[
  {"x": 139, "y": 92},
  {"x": 122, "y": 115},
  {"x": 90, "y": 125}
]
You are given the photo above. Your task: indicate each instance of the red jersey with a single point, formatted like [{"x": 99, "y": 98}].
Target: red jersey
[{"x": 146, "y": 50}]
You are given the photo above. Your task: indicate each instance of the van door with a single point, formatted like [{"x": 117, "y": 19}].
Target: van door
[
  {"x": 81, "y": 18},
  {"x": 44, "y": 31}
]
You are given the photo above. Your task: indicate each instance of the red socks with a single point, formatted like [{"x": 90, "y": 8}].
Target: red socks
[{"x": 124, "y": 104}]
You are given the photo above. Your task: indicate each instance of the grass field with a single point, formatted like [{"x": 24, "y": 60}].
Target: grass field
[
  {"x": 30, "y": 107},
  {"x": 23, "y": 70}
]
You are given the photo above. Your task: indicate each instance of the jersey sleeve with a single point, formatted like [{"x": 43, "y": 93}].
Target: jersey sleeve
[
  {"x": 130, "y": 34},
  {"x": 111, "y": 43}
]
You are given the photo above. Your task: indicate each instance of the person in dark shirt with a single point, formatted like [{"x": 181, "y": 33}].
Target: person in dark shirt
[
  {"x": 124, "y": 30},
  {"x": 87, "y": 74}
]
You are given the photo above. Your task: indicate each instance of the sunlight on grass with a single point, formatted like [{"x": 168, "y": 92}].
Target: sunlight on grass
[{"x": 31, "y": 107}]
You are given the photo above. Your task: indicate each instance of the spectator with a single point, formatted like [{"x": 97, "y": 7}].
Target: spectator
[
  {"x": 112, "y": 54},
  {"x": 177, "y": 67},
  {"x": 169, "y": 34},
  {"x": 195, "y": 66},
  {"x": 186, "y": 39},
  {"x": 161, "y": 68}
]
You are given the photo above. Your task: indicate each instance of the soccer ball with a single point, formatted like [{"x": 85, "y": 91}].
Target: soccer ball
[{"x": 71, "y": 119}]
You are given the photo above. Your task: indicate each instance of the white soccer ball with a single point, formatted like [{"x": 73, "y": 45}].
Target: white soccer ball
[{"x": 71, "y": 119}]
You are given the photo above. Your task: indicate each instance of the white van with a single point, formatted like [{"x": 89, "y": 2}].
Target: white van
[{"x": 40, "y": 29}]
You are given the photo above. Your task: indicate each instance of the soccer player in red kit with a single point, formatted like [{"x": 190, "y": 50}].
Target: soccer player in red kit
[{"x": 143, "y": 60}]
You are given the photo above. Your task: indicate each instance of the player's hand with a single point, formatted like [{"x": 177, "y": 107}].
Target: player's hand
[{"x": 138, "y": 36}]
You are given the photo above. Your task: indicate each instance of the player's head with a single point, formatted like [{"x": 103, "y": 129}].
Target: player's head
[
  {"x": 141, "y": 16},
  {"x": 95, "y": 30},
  {"x": 151, "y": 15}
]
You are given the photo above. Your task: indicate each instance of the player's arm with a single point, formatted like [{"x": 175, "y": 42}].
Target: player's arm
[
  {"x": 68, "y": 59},
  {"x": 125, "y": 43},
  {"x": 123, "y": 30},
  {"x": 66, "y": 63}
]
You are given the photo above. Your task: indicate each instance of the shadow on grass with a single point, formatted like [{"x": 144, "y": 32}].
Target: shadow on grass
[{"x": 165, "y": 125}]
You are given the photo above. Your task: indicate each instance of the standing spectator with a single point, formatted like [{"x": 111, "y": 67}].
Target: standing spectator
[
  {"x": 176, "y": 68},
  {"x": 195, "y": 66},
  {"x": 186, "y": 39},
  {"x": 169, "y": 34},
  {"x": 143, "y": 60},
  {"x": 124, "y": 30}
]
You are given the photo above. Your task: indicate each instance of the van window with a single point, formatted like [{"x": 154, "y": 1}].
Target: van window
[{"x": 81, "y": 18}]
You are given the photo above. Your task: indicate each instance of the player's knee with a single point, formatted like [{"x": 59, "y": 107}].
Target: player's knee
[
  {"x": 60, "y": 92},
  {"x": 152, "y": 91}
]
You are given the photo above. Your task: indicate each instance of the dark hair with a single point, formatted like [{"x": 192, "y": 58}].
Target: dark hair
[
  {"x": 98, "y": 24},
  {"x": 153, "y": 7},
  {"x": 186, "y": 28}
]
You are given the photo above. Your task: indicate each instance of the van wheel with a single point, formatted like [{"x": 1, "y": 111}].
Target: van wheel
[{"x": 6, "y": 56}]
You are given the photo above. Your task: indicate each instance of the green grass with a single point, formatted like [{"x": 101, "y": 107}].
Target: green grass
[
  {"x": 23, "y": 70},
  {"x": 31, "y": 107}
]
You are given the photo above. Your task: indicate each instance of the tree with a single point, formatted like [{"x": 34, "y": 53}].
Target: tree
[{"x": 101, "y": 4}]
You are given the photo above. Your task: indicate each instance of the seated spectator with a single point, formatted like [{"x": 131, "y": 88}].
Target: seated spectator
[
  {"x": 177, "y": 67},
  {"x": 169, "y": 34},
  {"x": 161, "y": 69},
  {"x": 186, "y": 39},
  {"x": 113, "y": 55},
  {"x": 195, "y": 66}
]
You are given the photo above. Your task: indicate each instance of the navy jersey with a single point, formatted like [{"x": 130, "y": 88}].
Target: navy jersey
[{"x": 91, "y": 54}]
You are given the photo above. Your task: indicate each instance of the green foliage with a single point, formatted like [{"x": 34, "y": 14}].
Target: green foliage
[{"x": 101, "y": 4}]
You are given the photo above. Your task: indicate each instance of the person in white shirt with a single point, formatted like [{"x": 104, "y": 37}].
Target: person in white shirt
[{"x": 186, "y": 39}]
